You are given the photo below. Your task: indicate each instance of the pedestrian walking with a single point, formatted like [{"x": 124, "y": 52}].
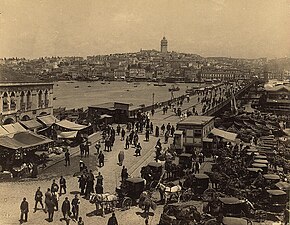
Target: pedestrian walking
[
  {"x": 138, "y": 150},
  {"x": 163, "y": 129},
  {"x": 118, "y": 129},
  {"x": 113, "y": 220},
  {"x": 82, "y": 149},
  {"x": 123, "y": 132},
  {"x": 101, "y": 158},
  {"x": 65, "y": 208},
  {"x": 54, "y": 187},
  {"x": 99, "y": 189},
  {"x": 166, "y": 137},
  {"x": 127, "y": 144},
  {"x": 87, "y": 149},
  {"x": 82, "y": 184},
  {"x": 54, "y": 199},
  {"x": 124, "y": 173},
  {"x": 98, "y": 146},
  {"x": 75, "y": 207},
  {"x": 50, "y": 209},
  {"x": 121, "y": 157},
  {"x": 48, "y": 197},
  {"x": 147, "y": 135},
  {"x": 24, "y": 209},
  {"x": 100, "y": 179},
  {"x": 67, "y": 158},
  {"x": 197, "y": 166},
  {"x": 62, "y": 184},
  {"x": 38, "y": 198},
  {"x": 156, "y": 131}
]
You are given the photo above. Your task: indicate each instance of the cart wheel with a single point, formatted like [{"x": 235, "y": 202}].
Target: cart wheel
[
  {"x": 126, "y": 203},
  {"x": 186, "y": 196}
]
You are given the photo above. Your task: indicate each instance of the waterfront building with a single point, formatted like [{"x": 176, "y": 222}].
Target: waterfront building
[
  {"x": 163, "y": 44},
  {"x": 277, "y": 99},
  {"x": 21, "y": 99},
  {"x": 195, "y": 129}
]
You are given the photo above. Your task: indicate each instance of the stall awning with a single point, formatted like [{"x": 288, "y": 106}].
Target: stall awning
[
  {"x": 13, "y": 128},
  {"x": 48, "y": 120},
  {"x": 67, "y": 135},
  {"x": 25, "y": 139},
  {"x": 3, "y": 131},
  {"x": 105, "y": 116},
  {"x": 224, "y": 134},
  {"x": 31, "y": 124},
  {"x": 70, "y": 125}
]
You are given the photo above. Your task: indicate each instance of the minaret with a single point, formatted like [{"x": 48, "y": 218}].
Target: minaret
[{"x": 163, "y": 45}]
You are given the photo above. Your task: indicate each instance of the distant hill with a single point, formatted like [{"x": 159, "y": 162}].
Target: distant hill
[
  {"x": 8, "y": 75},
  {"x": 279, "y": 64}
]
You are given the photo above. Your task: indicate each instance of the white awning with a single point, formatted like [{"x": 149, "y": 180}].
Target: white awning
[
  {"x": 70, "y": 125},
  {"x": 224, "y": 134},
  {"x": 31, "y": 124},
  {"x": 3, "y": 131},
  {"x": 13, "y": 128},
  {"x": 68, "y": 135},
  {"x": 48, "y": 120}
]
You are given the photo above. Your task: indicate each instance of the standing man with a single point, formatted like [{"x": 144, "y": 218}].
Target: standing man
[
  {"x": 75, "y": 206},
  {"x": 67, "y": 158},
  {"x": 98, "y": 146},
  {"x": 121, "y": 157},
  {"x": 101, "y": 158},
  {"x": 62, "y": 184},
  {"x": 100, "y": 179},
  {"x": 38, "y": 198},
  {"x": 113, "y": 220},
  {"x": 54, "y": 187},
  {"x": 118, "y": 129},
  {"x": 24, "y": 210},
  {"x": 65, "y": 208},
  {"x": 50, "y": 208},
  {"x": 48, "y": 197},
  {"x": 123, "y": 132}
]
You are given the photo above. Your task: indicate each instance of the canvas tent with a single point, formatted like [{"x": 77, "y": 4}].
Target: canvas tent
[
  {"x": 48, "y": 120},
  {"x": 25, "y": 139},
  {"x": 70, "y": 125},
  {"x": 13, "y": 128},
  {"x": 68, "y": 135},
  {"x": 31, "y": 124}
]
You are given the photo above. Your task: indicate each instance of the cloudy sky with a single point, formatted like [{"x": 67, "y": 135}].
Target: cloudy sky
[{"x": 236, "y": 28}]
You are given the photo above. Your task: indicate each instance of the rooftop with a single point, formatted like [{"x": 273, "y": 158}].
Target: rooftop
[
  {"x": 8, "y": 75},
  {"x": 196, "y": 120}
]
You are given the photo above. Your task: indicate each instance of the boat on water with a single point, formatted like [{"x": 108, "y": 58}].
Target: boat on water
[
  {"x": 174, "y": 88},
  {"x": 148, "y": 84},
  {"x": 160, "y": 84},
  {"x": 103, "y": 82},
  {"x": 77, "y": 86},
  {"x": 89, "y": 85},
  {"x": 54, "y": 98}
]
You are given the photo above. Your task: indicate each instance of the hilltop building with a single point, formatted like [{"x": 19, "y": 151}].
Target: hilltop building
[{"x": 163, "y": 44}]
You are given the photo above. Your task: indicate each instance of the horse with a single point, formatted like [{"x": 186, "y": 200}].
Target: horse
[
  {"x": 106, "y": 201},
  {"x": 169, "y": 191},
  {"x": 145, "y": 202}
]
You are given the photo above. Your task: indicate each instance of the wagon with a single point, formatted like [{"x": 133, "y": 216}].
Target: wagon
[
  {"x": 277, "y": 200},
  {"x": 262, "y": 161},
  {"x": 260, "y": 157},
  {"x": 202, "y": 181},
  {"x": 271, "y": 179},
  {"x": 129, "y": 192},
  {"x": 253, "y": 172},
  {"x": 264, "y": 167},
  {"x": 232, "y": 206},
  {"x": 185, "y": 160},
  {"x": 156, "y": 169}
]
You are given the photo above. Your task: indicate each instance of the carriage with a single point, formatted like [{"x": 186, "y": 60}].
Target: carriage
[
  {"x": 262, "y": 166},
  {"x": 233, "y": 207},
  {"x": 180, "y": 213},
  {"x": 276, "y": 201},
  {"x": 271, "y": 179},
  {"x": 152, "y": 173},
  {"x": 129, "y": 192},
  {"x": 185, "y": 160}
]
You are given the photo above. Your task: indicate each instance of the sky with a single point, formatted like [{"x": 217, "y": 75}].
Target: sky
[{"x": 230, "y": 28}]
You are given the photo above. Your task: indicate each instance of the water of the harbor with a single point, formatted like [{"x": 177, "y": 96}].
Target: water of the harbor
[{"x": 74, "y": 94}]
